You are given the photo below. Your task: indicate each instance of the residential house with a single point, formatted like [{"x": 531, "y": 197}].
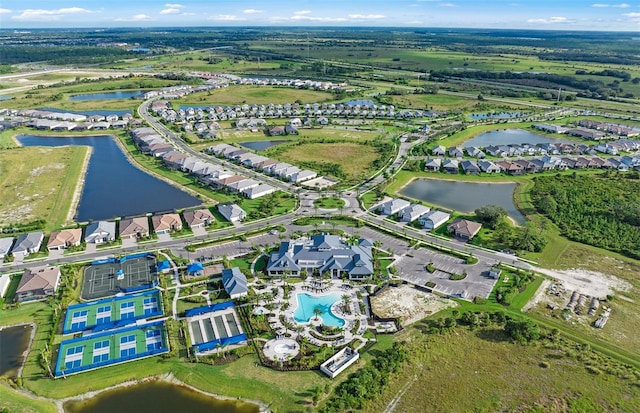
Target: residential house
[
  {"x": 27, "y": 244},
  {"x": 393, "y": 206},
  {"x": 451, "y": 166},
  {"x": 258, "y": 191},
  {"x": 433, "y": 219},
  {"x": 433, "y": 164},
  {"x": 174, "y": 159},
  {"x": 165, "y": 223},
  {"x": 464, "y": 229},
  {"x": 303, "y": 175},
  {"x": 242, "y": 185},
  {"x": 470, "y": 167},
  {"x": 100, "y": 232},
  {"x": 438, "y": 150},
  {"x": 5, "y": 246},
  {"x": 234, "y": 282},
  {"x": 456, "y": 152},
  {"x": 413, "y": 212},
  {"x": 232, "y": 212},
  {"x": 511, "y": 168},
  {"x": 198, "y": 218},
  {"x": 489, "y": 167},
  {"x": 322, "y": 254},
  {"x": 277, "y": 131},
  {"x": 38, "y": 283},
  {"x": 133, "y": 228},
  {"x": 547, "y": 127}
]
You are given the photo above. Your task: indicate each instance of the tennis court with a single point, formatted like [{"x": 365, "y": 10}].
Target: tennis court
[
  {"x": 109, "y": 277},
  {"x": 112, "y": 312},
  {"x": 215, "y": 326},
  {"x": 111, "y": 347}
]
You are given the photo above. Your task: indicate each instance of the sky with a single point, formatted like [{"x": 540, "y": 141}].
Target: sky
[{"x": 520, "y": 14}]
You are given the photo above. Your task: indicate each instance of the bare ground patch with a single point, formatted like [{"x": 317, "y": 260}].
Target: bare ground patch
[
  {"x": 590, "y": 283},
  {"x": 408, "y": 303}
]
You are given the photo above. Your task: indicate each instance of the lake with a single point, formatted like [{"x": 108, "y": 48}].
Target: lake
[
  {"x": 14, "y": 341},
  {"x": 120, "y": 94},
  {"x": 101, "y": 112},
  {"x": 113, "y": 187},
  {"x": 510, "y": 137},
  {"x": 464, "y": 196},
  {"x": 261, "y": 145},
  {"x": 157, "y": 396}
]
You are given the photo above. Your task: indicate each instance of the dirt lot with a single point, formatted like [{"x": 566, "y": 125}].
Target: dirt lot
[
  {"x": 408, "y": 303},
  {"x": 590, "y": 283}
]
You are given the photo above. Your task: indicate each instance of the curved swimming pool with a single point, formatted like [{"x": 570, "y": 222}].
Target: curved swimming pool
[{"x": 307, "y": 303}]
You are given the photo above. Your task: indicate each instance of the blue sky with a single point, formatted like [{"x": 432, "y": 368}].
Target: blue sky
[{"x": 534, "y": 14}]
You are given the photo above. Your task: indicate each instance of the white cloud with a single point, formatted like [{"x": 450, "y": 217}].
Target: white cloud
[
  {"x": 301, "y": 12},
  {"x": 318, "y": 19},
  {"x": 41, "y": 14},
  {"x": 632, "y": 15},
  {"x": 447, "y": 5},
  {"x": 367, "y": 16},
  {"x": 136, "y": 18},
  {"x": 5, "y": 11},
  {"x": 551, "y": 20},
  {"x": 188, "y": 14},
  {"x": 172, "y": 8},
  {"x": 226, "y": 17},
  {"x": 252, "y": 11},
  {"x": 605, "y": 5}
]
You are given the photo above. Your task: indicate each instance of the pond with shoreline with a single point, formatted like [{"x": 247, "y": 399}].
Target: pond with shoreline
[
  {"x": 157, "y": 396},
  {"x": 510, "y": 137},
  {"x": 120, "y": 94},
  {"x": 113, "y": 187},
  {"x": 261, "y": 145},
  {"x": 14, "y": 343},
  {"x": 464, "y": 196}
]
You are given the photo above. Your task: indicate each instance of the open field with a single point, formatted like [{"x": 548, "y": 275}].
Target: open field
[
  {"x": 434, "y": 102},
  {"x": 481, "y": 370},
  {"x": 236, "y": 95},
  {"x": 354, "y": 159},
  {"x": 38, "y": 183},
  {"x": 16, "y": 402}
]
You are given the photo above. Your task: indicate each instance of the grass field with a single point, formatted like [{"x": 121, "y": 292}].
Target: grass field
[
  {"x": 328, "y": 203},
  {"x": 434, "y": 102},
  {"x": 38, "y": 183},
  {"x": 354, "y": 159},
  {"x": 236, "y": 95},
  {"x": 16, "y": 402},
  {"x": 480, "y": 370}
]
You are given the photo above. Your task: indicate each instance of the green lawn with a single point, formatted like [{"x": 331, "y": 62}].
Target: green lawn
[
  {"x": 328, "y": 203},
  {"x": 237, "y": 95},
  {"x": 481, "y": 370},
  {"x": 15, "y": 402},
  {"x": 38, "y": 183}
]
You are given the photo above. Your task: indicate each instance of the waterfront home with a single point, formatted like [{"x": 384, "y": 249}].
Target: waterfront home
[
  {"x": 547, "y": 127},
  {"x": 232, "y": 212},
  {"x": 470, "y": 167},
  {"x": 133, "y": 228},
  {"x": 100, "y": 232},
  {"x": 393, "y": 206},
  {"x": 165, "y": 223},
  {"x": 38, "y": 283},
  {"x": 489, "y": 167},
  {"x": 511, "y": 168},
  {"x": 198, "y": 218},
  {"x": 5, "y": 246},
  {"x": 451, "y": 166},
  {"x": 234, "y": 282},
  {"x": 433, "y": 219},
  {"x": 413, "y": 212},
  {"x": 240, "y": 186},
  {"x": 174, "y": 159},
  {"x": 464, "y": 229},
  {"x": 27, "y": 244},
  {"x": 322, "y": 254},
  {"x": 433, "y": 165}
]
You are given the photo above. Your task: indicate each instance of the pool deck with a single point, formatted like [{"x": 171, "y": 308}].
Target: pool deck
[{"x": 333, "y": 286}]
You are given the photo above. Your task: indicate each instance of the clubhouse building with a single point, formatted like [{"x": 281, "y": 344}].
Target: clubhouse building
[{"x": 323, "y": 254}]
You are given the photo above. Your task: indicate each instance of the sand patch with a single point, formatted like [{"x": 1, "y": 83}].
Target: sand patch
[
  {"x": 408, "y": 303},
  {"x": 591, "y": 283}
]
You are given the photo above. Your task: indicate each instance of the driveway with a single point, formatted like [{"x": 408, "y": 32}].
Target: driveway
[{"x": 164, "y": 237}]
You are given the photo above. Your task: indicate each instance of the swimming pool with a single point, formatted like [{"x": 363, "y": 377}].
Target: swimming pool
[{"x": 307, "y": 303}]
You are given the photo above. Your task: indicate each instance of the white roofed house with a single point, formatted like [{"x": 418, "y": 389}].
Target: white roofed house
[
  {"x": 232, "y": 212},
  {"x": 489, "y": 167},
  {"x": 258, "y": 191},
  {"x": 5, "y": 246},
  {"x": 240, "y": 186},
  {"x": 100, "y": 232},
  {"x": 413, "y": 212},
  {"x": 393, "y": 206},
  {"x": 303, "y": 175},
  {"x": 433, "y": 219},
  {"x": 433, "y": 164},
  {"x": 451, "y": 166}
]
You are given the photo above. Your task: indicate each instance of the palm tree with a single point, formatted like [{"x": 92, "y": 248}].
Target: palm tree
[
  {"x": 318, "y": 312},
  {"x": 346, "y": 300}
]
